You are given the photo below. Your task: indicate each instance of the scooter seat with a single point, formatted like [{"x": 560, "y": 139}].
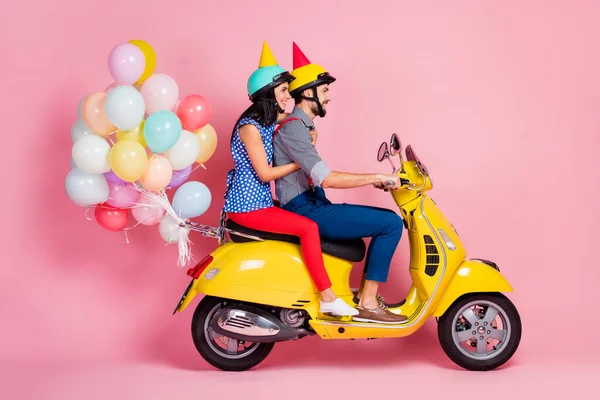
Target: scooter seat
[{"x": 351, "y": 250}]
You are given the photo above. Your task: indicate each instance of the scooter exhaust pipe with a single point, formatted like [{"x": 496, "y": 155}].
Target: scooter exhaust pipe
[{"x": 251, "y": 324}]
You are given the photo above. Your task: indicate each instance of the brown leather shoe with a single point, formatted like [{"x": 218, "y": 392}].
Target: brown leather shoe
[
  {"x": 378, "y": 315},
  {"x": 356, "y": 299}
]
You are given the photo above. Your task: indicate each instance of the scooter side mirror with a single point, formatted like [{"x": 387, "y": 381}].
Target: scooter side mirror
[
  {"x": 395, "y": 145},
  {"x": 383, "y": 152}
]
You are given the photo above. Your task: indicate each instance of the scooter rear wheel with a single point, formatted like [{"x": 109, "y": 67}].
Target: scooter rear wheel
[
  {"x": 220, "y": 351},
  {"x": 480, "y": 331}
]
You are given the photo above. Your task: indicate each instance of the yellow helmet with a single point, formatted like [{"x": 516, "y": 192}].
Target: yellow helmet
[{"x": 306, "y": 73}]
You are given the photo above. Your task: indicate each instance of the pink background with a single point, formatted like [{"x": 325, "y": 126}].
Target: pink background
[{"x": 500, "y": 99}]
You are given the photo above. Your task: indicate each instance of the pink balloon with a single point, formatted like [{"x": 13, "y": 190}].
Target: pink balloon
[
  {"x": 160, "y": 92},
  {"x": 146, "y": 212},
  {"x": 111, "y": 87},
  {"x": 126, "y": 63},
  {"x": 121, "y": 195}
]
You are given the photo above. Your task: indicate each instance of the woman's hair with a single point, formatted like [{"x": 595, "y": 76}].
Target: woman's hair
[{"x": 262, "y": 110}]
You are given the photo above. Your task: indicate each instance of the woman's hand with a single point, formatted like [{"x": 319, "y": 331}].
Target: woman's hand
[
  {"x": 314, "y": 134},
  {"x": 250, "y": 137}
]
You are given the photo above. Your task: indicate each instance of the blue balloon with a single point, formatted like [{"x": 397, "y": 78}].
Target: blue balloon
[
  {"x": 162, "y": 130},
  {"x": 191, "y": 200}
]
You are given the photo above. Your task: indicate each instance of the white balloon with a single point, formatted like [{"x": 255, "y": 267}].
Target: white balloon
[
  {"x": 80, "y": 106},
  {"x": 191, "y": 199},
  {"x": 125, "y": 107},
  {"x": 185, "y": 151},
  {"x": 72, "y": 164},
  {"x": 169, "y": 229},
  {"x": 91, "y": 154},
  {"x": 80, "y": 129},
  {"x": 160, "y": 92},
  {"x": 85, "y": 189}
]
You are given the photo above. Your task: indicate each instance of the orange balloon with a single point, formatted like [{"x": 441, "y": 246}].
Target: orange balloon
[
  {"x": 158, "y": 173},
  {"x": 208, "y": 142},
  {"x": 94, "y": 114}
]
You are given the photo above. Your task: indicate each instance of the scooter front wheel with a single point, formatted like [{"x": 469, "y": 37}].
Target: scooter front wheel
[
  {"x": 480, "y": 331},
  {"x": 220, "y": 351}
]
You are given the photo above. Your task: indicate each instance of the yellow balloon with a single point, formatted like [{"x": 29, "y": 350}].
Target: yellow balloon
[
  {"x": 128, "y": 160},
  {"x": 136, "y": 134},
  {"x": 208, "y": 142},
  {"x": 150, "y": 57}
]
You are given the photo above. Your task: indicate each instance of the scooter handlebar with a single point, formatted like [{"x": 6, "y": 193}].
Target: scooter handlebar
[{"x": 390, "y": 183}]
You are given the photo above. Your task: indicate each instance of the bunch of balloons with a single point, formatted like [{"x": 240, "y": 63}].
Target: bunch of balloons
[{"x": 136, "y": 139}]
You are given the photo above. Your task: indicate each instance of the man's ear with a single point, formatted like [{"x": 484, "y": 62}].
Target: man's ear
[{"x": 308, "y": 93}]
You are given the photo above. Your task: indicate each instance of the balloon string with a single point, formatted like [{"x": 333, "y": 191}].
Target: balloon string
[
  {"x": 184, "y": 243},
  {"x": 160, "y": 201},
  {"x": 133, "y": 205},
  {"x": 109, "y": 137},
  {"x": 139, "y": 222},
  {"x": 197, "y": 166},
  {"x": 138, "y": 205}
]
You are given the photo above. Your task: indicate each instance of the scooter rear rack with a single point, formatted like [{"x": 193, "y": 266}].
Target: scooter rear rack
[{"x": 216, "y": 233}]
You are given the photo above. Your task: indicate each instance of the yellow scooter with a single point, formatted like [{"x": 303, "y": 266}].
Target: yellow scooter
[{"x": 258, "y": 291}]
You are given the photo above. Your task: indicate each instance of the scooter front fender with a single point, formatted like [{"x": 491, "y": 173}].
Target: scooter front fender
[{"x": 472, "y": 276}]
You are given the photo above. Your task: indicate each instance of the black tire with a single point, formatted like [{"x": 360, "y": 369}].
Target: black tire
[
  {"x": 201, "y": 341},
  {"x": 447, "y": 329}
]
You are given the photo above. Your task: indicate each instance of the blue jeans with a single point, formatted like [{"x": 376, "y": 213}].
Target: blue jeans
[{"x": 349, "y": 221}]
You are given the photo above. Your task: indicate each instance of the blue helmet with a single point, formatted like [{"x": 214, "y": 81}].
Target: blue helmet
[{"x": 268, "y": 75}]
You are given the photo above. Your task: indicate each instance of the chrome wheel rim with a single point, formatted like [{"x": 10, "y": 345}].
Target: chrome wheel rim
[
  {"x": 481, "y": 330},
  {"x": 225, "y": 346}
]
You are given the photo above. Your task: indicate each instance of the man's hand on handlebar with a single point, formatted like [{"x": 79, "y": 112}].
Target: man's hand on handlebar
[
  {"x": 388, "y": 182},
  {"x": 391, "y": 182}
]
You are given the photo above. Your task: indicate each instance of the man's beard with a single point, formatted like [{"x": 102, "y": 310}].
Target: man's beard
[{"x": 315, "y": 110}]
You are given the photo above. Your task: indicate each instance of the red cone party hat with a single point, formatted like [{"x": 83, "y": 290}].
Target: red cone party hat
[
  {"x": 307, "y": 74},
  {"x": 300, "y": 60}
]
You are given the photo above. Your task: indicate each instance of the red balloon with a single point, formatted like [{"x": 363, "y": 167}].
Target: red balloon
[
  {"x": 194, "y": 112},
  {"x": 111, "y": 218}
]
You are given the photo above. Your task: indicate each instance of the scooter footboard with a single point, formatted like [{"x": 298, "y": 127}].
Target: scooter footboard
[{"x": 472, "y": 276}]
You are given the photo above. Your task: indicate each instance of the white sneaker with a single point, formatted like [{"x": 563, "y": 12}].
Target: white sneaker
[{"x": 338, "y": 308}]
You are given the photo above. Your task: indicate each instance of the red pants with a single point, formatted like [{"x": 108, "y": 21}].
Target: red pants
[{"x": 277, "y": 220}]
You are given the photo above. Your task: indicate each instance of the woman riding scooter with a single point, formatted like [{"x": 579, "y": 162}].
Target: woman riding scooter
[{"x": 249, "y": 201}]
